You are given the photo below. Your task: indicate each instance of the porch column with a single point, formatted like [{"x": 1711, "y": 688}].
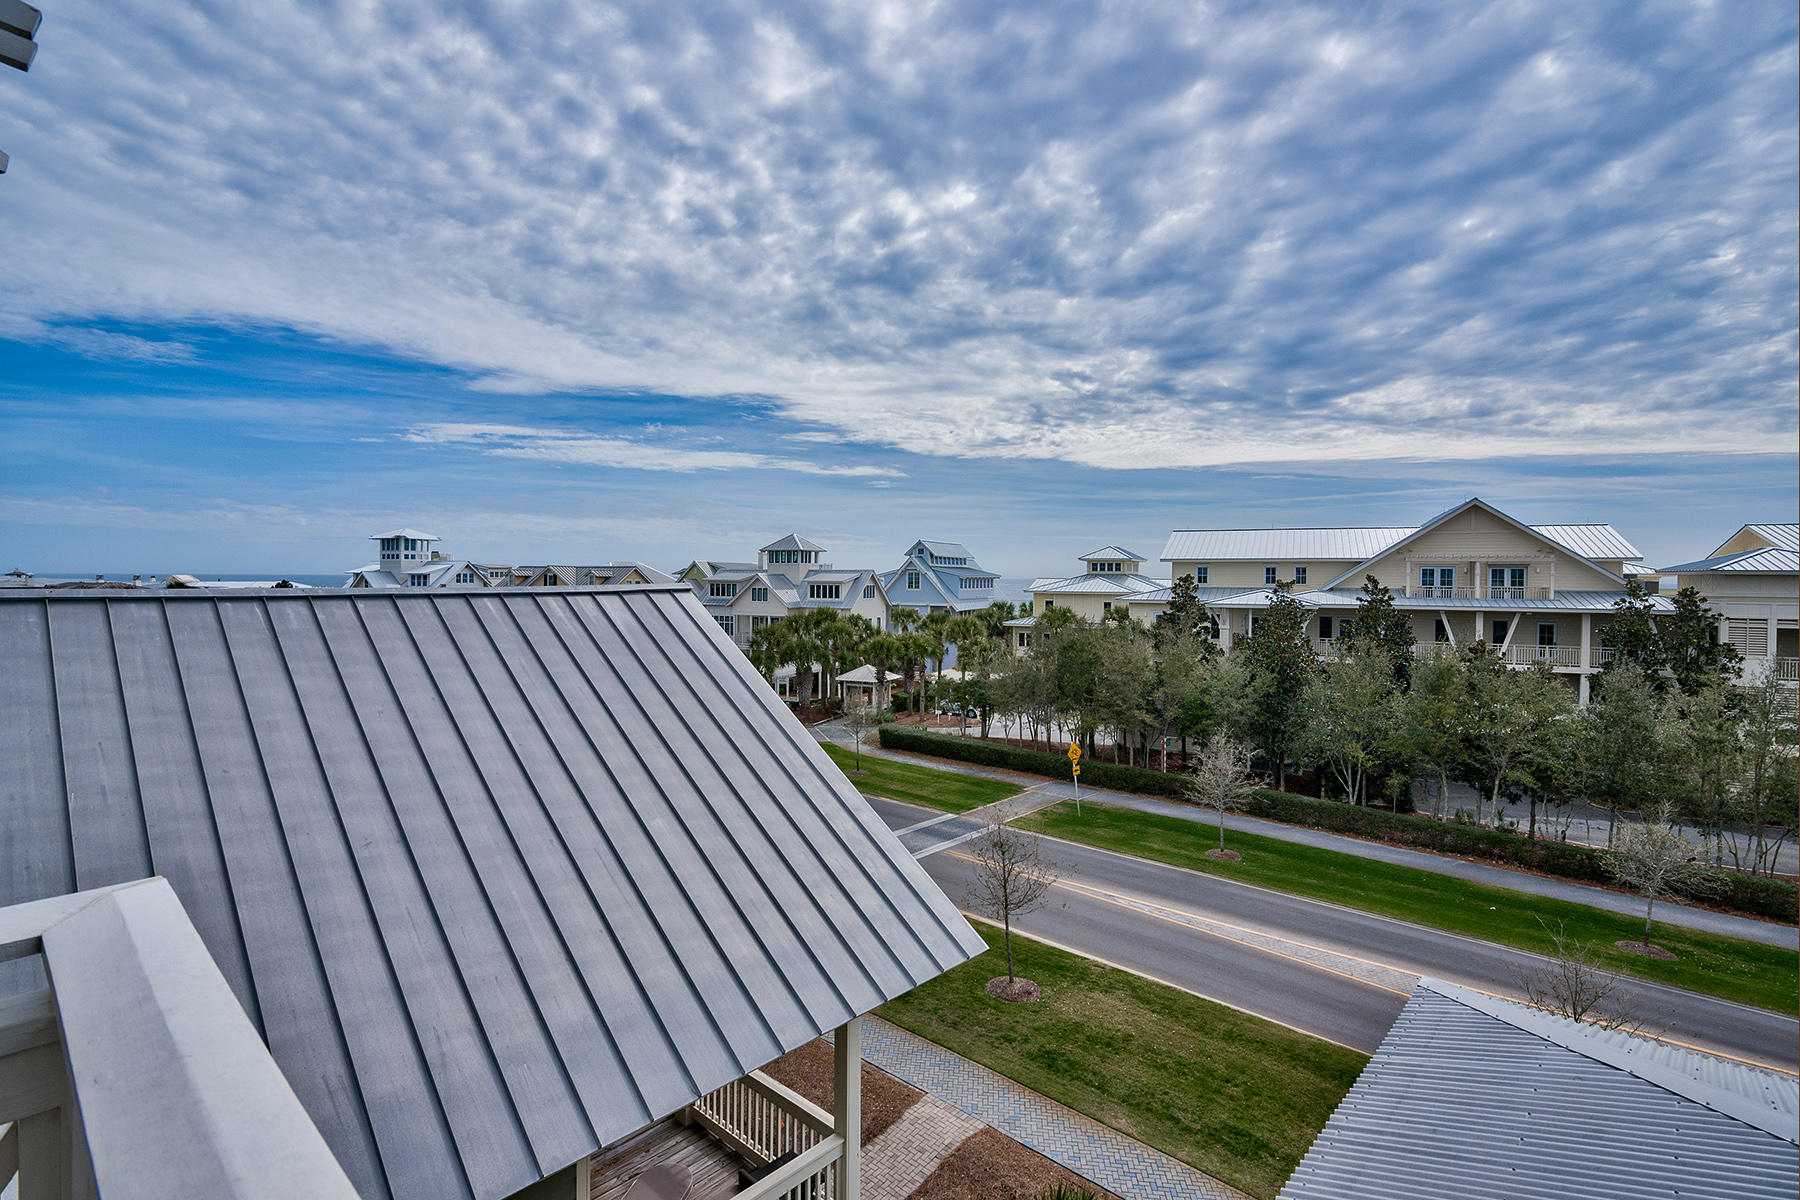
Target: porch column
[
  {"x": 1587, "y": 643},
  {"x": 846, "y": 1114}
]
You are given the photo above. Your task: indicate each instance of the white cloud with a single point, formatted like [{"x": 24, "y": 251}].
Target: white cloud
[
  {"x": 550, "y": 445},
  {"x": 1176, "y": 237}
]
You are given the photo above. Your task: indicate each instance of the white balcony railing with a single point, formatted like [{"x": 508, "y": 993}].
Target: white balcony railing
[
  {"x": 1788, "y": 670},
  {"x": 764, "y": 1122},
  {"x": 137, "y": 1073},
  {"x": 1458, "y": 592},
  {"x": 1556, "y": 656}
]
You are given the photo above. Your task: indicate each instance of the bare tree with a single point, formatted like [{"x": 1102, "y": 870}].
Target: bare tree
[
  {"x": 1574, "y": 984},
  {"x": 859, "y": 719},
  {"x": 1655, "y": 860},
  {"x": 1222, "y": 780},
  {"x": 1011, "y": 877}
]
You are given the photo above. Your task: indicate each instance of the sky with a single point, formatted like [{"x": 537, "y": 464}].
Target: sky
[{"x": 573, "y": 282}]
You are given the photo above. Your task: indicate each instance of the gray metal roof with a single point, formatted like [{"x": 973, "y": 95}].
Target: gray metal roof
[
  {"x": 500, "y": 876},
  {"x": 794, "y": 541},
  {"x": 1594, "y": 540},
  {"x": 1206, "y": 595},
  {"x": 1563, "y": 601},
  {"x": 1471, "y": 1096},
  {"x": 1095, "y": 583},
  {"x": 1108, "y": 553},
  {"x": 406, "y": 533},
  {"x": 945, "y": 549},
  {"x": 1350, "y": 544},
  {"x": 1777, "y": 533},
  {"x": 1767, "y": 560}
]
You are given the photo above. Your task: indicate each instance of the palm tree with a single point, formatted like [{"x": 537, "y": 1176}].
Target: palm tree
[{"x": 881, "y": 651}]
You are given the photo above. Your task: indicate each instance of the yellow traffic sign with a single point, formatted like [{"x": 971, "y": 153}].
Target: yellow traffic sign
[
  {"x": 1074, "y": 752},
  {"x": 1076, "y": 768}
]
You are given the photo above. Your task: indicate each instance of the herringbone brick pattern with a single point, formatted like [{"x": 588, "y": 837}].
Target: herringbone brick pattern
[
  {"x": 1122, "y": 1165},
  {"x": 910, "y": 1149}
]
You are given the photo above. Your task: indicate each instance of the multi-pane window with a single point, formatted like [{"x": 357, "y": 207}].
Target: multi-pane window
[
  {"x": 912, "y": 581},
  {"x": 977, "y": 581},
  {"x": 1270, "y": 575},
  {"x": 1299, "y": 574},
  {"x": 1506, "y": 583},
  {"x": 727, "y": 622},
  {"x": 761, "y": 622},
  {"x": 1024, "y": 639},
  {"x": 1437, "y": 581},
  {"x": 721, "y": 591},
  {"x": 825, "y": 591},
  {"x": 1546, "y": 633},
  {"x": 416, "y": 580},
  {"x": 759, "y": 594},
  {"x": 868, "y": 591},
  {"x": 1199, "y": 574}
]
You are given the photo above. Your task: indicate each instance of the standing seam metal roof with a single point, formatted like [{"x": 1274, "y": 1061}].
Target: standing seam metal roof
[
  {"x": 495, "y": 879},
  {"x": 1470, "y": 1096},
  {"x": 1767, "y": 560},
  {"x": 1781, "y": 535}
]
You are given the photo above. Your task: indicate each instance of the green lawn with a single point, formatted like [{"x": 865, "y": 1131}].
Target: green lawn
[
  {"x": 1748, "y": 972},
  {"x": 943, "y": 790},
  {"x": 1238, "y": 1097}
]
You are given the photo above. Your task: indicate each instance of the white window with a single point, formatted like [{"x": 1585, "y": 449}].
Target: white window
[
  {"x": 825, "y": 591},
  {"x": 1749, "y": 634},
  {"x": 1270, "y": 575},
  {"x": 1024, "y": 639},
  {"x": 912, "y": 581},
  {"x": 868, "y": 591},
  {"x": 721, "y": 591},
  {"x": 759, "y": 594},
  {"x": 1199, "y": 574},
  {"x": 1506, "y": 583},
  {"x": 1299, "y": 574},
  {"x": 416, "y": 580},
  {"x": 727, "y": 622}
]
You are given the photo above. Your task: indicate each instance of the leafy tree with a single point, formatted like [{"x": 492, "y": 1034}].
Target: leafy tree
[
  {"x": 1221, "y": 780},
  {"x": 1124, "y": 685},
  {"x": 1379, "y": 630},
  {"x": 1691, "y": 646},
  {"x": 1632, "y": 635},
  {"x": 1279, "y": 660},
  {"x": 1010, "y": 877},
  {"x": 859, "y": 718},
  {"x": 1770, "y": 772},
  {"x": 1705, "y": 754},
  {"x": 1354, "y": 723},
  {"x": 1186, "y": 614},
  {"x": 1183, "y": 692},
  {"x": 1625, "y": 730},
  {"x": 980, "y": 658},
  {"x": 1506, "y": 717},
  {"x": 1433, "y": 728}
]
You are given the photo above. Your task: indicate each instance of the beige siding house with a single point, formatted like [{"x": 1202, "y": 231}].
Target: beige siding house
[
  {"x": 1535, "y": 593},
  {"x": 1111, "y": 577},
  {"x": 1753, "y": 581}
]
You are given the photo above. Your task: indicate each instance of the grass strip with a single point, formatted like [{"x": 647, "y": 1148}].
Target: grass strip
[
  {"x": 1238, "y": 1097},
  {"x": 1730, "y": 968},
  {"x": 945, "y": 791}
]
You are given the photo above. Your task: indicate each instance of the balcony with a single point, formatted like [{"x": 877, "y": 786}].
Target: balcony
[
  {"x": 1472, "y": 592},
  {"x": 135, "y": 1072},
  {"x": 1788, "y": 670},
  {"x": 1555, "y": 656}
]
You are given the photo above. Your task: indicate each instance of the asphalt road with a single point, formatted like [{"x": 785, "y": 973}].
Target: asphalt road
[{"x": 1327, "y": 970}]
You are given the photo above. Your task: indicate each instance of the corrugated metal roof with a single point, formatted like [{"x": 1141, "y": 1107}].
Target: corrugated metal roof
[
  {"x": 1770, "y": 559},
  {"x": 1466, "y": 1099},
  {"x": 1596, "y": 540},
  {"x": 1565, "y": 601},
  {"x": 408, "y": 533},
  {"x": 500, "y": 876},
  {"x": 1349, "y": 544},
  {"x": 1097, "y": 584},
  {"x": 1779, "y": 534},
  {"x": 1206, "y": 595},
  {"x": 794, "y": 541},
  {"x": 1108, "y": 553},
  {"x": 946, "y": 549}
]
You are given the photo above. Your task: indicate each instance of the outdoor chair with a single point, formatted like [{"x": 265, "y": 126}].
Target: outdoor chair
[{"x": 667, "y": 1181}]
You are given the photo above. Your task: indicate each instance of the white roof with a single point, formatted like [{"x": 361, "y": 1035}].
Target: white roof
[
  {"x": 1772, "y": 560},
  {"x": 1344, "y": 544},
  {"x": 1593, "y": 540},
  {"x": 1109, "y": 553},
  {"x": 408, "y": 533},
  {"x": 1776, "y": 533},
  {"x": 793, "y": 541},
  {"x": 866, "y": 674},
  {"x": 1098, "y": 585}
]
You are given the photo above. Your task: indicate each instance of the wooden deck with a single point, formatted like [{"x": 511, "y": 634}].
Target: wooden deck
[{"x": 714, "y": 1164}]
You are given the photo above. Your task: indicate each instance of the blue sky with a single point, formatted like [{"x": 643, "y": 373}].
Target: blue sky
[{"x": 566, "y": 282}]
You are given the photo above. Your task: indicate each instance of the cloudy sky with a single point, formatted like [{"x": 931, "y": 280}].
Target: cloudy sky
[{"x": 573, "y": 281}]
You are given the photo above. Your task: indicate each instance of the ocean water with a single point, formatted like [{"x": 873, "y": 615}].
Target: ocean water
[{"x": 330, "y": 581}]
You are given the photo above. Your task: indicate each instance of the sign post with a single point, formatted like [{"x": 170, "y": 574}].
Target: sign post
[{"x": 1075, "y": 773}]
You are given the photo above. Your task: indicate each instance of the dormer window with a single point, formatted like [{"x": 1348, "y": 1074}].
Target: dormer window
[
  {"x": 825, "y": 591},
  {"x": 721, "y": 591}
]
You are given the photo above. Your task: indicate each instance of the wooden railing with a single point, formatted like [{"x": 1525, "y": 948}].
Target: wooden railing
[
  {"x": 1788, "y": 670},
  {"x": 762, "y": 1121}
]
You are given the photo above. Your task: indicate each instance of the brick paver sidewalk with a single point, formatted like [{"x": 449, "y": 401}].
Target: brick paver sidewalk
[{"x": 1122, "y": 1165}]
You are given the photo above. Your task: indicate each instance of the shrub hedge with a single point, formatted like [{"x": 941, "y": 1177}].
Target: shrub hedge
[{"x": 1753, "y": 895}]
